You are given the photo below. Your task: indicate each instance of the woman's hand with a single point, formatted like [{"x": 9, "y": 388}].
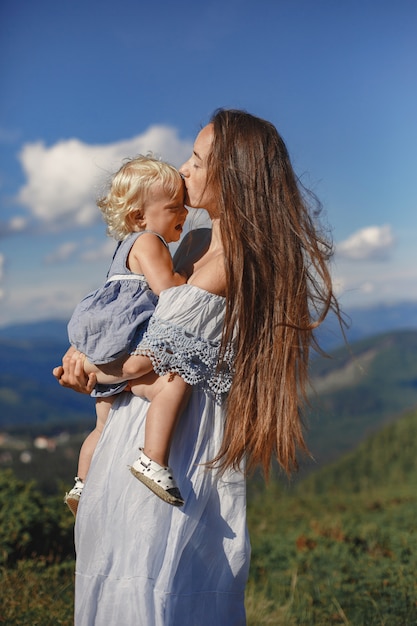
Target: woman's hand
[{"x": 71, "y": 373}]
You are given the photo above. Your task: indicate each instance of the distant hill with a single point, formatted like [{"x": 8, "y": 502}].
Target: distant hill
[
  {"x": 29, "y": 394},
  {"x": 385, "y": 460},
  {"x": 52, "y": 330},
  {"x": 364, "y": 322},
  {"x": 368, "y": 322},
  {"x": 357, "y": 391},
  {"x": 361, "y": 389}
]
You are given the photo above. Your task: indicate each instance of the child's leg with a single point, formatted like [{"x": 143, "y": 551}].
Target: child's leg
[
  {"x": 103, "y": 406},
  {"x": 168, "y": 396},
  {"x": 163, "y": 412},
  {"x": 86, "y": 453},
  {"x": 124, "y": 368}
]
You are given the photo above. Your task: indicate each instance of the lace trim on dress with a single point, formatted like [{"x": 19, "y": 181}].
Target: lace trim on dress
[{"x": 172, "y": 349}]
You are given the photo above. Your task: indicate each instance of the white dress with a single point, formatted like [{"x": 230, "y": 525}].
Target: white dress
[{"x": 140, "y": 561}]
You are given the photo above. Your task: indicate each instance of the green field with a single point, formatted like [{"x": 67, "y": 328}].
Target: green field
[{"x": 340, "y": 547}]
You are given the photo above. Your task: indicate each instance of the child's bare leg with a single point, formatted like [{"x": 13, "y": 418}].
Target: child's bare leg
[
  {"x": 170, "y": 397},
  {"x": 103, "y": 406},
  {"x": 147, "y": 386},
  {"x": 86, "y": 453},
  {"x": 167, "y": 396},
  {"x": 124, "y": 368}
]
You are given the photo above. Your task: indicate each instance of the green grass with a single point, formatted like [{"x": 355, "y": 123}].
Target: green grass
[
  {"x": 37, "y": 594},
  {"x": 315, "y": 560},
  {"x": 339, "y": 547},
  {"x": 341, "y": 560}
]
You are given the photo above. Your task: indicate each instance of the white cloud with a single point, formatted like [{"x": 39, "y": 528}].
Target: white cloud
[
  {"x": 13, "y": 226},
  {"x": 63, "y": 253},
  {"x": 85, "y": 250},
  {"x": 105, "y": 251},
  {"x": 367, "y": 287},
  {"x": 17, "y": 224},
  {"x": 40, "y": 302},
  {"x": 64, "y": 180},
  {"x": 371, "y": 243},
  {"x": 370, "y": 285}
]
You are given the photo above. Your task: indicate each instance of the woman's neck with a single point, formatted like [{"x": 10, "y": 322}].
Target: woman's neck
[{"x": 216, "y": 244}]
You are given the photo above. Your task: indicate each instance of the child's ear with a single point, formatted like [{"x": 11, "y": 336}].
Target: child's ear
[{"x": 138, "y": 220}]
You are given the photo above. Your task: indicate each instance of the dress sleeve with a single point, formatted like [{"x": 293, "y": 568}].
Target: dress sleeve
[{"x": 184, "y": 336}]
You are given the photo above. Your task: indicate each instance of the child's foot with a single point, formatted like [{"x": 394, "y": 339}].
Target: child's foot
[
  {"x": 157, "y": 478},
  {"x": 72, "y": 498}
]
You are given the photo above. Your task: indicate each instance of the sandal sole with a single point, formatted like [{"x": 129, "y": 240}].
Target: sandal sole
[
  {"x": 72, "y": 504},
  {"x": 159, "y": 491}
]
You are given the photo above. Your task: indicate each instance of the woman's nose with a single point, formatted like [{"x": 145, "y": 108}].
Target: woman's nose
[{"x": 184, "y": 170}]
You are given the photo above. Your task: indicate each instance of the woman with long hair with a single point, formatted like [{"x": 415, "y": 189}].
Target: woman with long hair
[{"x": 239, "y": 331}]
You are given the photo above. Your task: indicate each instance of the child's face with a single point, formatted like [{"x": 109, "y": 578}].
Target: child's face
[{"x": 164, "y": 214}]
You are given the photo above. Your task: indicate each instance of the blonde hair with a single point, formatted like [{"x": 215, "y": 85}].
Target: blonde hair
[{"x": 129, "y": 189}]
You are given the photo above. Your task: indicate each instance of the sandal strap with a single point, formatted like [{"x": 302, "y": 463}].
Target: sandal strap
[{"x": 152, "y": 470}]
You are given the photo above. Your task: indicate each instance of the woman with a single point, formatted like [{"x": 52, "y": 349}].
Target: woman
[{"x": 259, "y": 287}]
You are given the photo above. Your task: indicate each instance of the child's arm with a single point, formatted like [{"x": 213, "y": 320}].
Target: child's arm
[
  {"x": 211, "y": 277},
  {"x": 150, "y": 257}
]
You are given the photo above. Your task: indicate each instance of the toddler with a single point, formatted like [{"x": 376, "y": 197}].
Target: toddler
[{"x": 144, "y": 210}]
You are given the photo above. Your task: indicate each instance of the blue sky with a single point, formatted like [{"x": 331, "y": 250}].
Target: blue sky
[{"x": 86, "y": 83}]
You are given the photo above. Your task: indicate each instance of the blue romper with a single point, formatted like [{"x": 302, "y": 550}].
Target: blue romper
[{"x": 105, "y": 323}]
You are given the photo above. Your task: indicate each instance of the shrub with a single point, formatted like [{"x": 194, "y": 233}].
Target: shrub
[{"x": 31, "y": 525}]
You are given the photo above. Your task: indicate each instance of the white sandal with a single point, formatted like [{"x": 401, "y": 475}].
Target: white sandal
[
  {"x": 72, "y": 498},
  {"x": 157, "y": 478}
]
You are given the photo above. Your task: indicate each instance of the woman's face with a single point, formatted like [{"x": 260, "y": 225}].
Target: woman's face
[{"x": 194, "y": 172}]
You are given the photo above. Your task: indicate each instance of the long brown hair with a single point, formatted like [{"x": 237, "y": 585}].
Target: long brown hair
[{"x": 279, "y": 290}]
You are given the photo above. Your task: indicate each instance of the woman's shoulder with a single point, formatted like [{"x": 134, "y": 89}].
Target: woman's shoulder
[{"x": 190, "y": 293}]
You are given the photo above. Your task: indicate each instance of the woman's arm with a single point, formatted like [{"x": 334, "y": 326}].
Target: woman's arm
[{"x": 77, "y": 373}]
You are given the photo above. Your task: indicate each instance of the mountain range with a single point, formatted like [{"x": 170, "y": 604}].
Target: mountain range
[
  {"x": 362, "y": 322},
  {"x": 362, "y": 386}
]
